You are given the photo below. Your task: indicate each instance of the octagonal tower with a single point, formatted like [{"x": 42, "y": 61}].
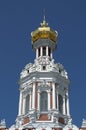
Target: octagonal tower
[{"x": 44, "y": 86}]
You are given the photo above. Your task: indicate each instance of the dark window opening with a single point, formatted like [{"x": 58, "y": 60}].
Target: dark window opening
[
  {"x": 38, "y": 51},
  {"x": 44, "y": 67},
  {"x": 59, "y": 70},
  {"x": 49, "y": 51},
  {"x": 44, "y": 51}
]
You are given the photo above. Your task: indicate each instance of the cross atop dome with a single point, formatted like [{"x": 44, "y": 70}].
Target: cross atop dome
[{"x": 44, "y": 23}]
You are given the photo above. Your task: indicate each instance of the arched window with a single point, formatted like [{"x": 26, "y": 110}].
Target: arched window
[
  {"x": 43, "y": 101},
  {"x": 27, "y": 103},
  {"x": 60, "y": 98}
]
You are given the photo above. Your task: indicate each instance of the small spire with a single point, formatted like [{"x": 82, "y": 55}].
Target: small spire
[
  {"x": 44, "y": 15},
  {"x": 44, "y": 23}
]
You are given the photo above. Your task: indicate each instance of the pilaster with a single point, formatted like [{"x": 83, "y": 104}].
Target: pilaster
[
  {"x": 38, "y": 100},
  {"x": 30, "y": 101},
  {"x": 20, "y": 104},
  {"x": 64, "y": 111},
  {"x": 68, "y": 111},
  {"x": 53, "y": 96},
  {"x": 48, "y": 99},
  {"x": 33, "y": 95},
  {"x": 57, "y": 102},
  {"x": 24, "y": 104}
]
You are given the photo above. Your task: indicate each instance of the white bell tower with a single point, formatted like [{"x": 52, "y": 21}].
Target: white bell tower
[{"x": 44, "y": 86}]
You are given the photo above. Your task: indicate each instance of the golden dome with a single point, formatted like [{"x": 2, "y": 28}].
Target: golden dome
[{"x": 44, "y": 32}]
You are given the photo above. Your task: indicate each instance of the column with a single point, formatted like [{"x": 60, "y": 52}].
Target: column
[
  {"x": 51, "y": 54},
  {"x": 24, "y": 104},
  {"x": 30, "y": 101},
  {"x": 34, "y": 95},
  {"x": 46, "y": 50},
  {"x": 68, "y": 112},
  {"x": 41, "y": 51},
  {"x": 64, "y": 105},
  {"x": 20, "y": 104},
  {"x": 38, "y": 100},
  {"x": 49, "y": 100},
  {"x": 53, "y": 96},
  {"x": 36, "y": 53},
  {"x": 57, "y": 102}
]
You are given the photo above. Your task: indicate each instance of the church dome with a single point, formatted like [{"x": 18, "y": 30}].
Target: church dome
[{"x": 44, "y": 32}]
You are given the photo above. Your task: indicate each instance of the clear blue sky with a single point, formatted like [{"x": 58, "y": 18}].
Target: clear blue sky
[{"x": 17, "y": 19}]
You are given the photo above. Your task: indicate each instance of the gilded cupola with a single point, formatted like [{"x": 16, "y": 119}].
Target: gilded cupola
[{"x": 44, "y": 32}]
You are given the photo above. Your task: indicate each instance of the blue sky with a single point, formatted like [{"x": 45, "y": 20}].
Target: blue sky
[{"x": 17, "y": 19}]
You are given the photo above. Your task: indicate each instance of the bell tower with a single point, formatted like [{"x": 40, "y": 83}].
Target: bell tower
[
  {"x": 44, "y": 41},
  {"x": 44, "y": 86}
]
